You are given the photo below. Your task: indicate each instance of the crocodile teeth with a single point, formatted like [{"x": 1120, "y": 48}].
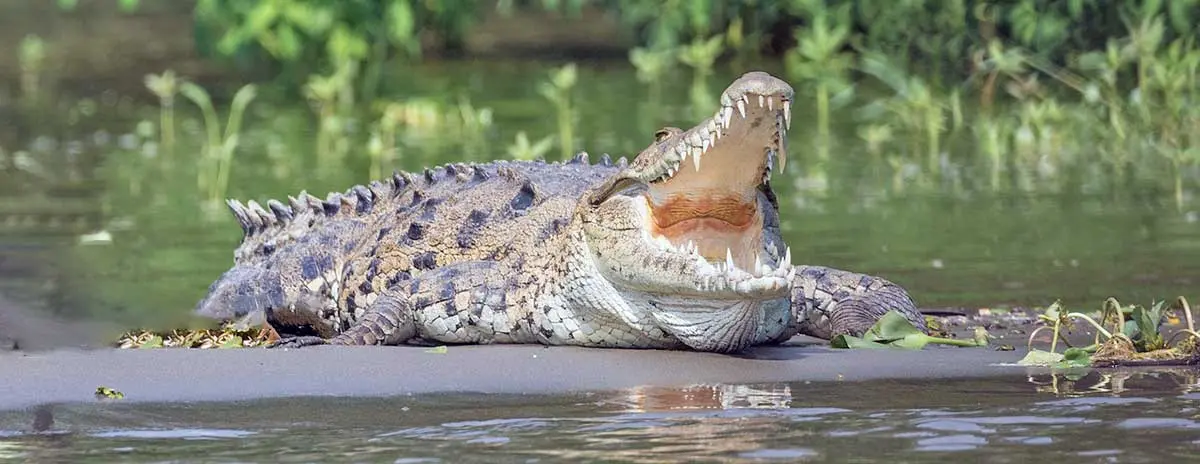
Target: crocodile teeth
[
  {"x": 696, "y": 161},
  {"x": 771, "y": 104},
  {"x": 729, "y": 258},
  {"x": 741, "y": 106},
  {"x": 787, "y": 256},
  {"x": 761, "y": 101},
  {"x": 787, "y": 113},
  {"x": 726, "y": 116}
]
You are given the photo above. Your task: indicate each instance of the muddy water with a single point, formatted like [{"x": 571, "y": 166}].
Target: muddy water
[{"x": 1126, "y": 417}]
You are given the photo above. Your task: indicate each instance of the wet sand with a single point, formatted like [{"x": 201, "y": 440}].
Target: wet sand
[{"x": 184, "y": 375}]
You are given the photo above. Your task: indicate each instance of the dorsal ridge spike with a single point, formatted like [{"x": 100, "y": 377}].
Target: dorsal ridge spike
[
  {"x": 243, "y": 216},
  {"x": 481, "y": 172},
  {"x": 605, "y": 160},
  {"x": 580, "y": 158},
  {"x": 261, "y": 217},
  {"x": 281, "y": 211}
]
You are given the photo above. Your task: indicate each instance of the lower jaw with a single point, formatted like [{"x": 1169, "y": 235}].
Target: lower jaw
[
  {"x": 713, "y": 237},
  {"x": 722, "y": 325}
]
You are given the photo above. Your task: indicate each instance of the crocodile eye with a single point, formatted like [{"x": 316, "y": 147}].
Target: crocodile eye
[{"x": 662, "y": 134}]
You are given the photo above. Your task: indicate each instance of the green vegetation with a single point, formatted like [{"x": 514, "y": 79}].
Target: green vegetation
[
  {"x": 1025, "y": 95},
  {"x": 227, "y": 336},
  {"x": 1134, "y": 336},
  {"x": 894, "y": 331}
]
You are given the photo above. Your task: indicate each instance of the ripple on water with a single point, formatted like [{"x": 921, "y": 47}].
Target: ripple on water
[
  {"x": 780, "y": 453},
  {"x": 1027, "y": 420},
  {"x": 1158, "y": 423},
  {"x": 959, "y": 442},
  {"x": 1031, "y": 440},
  {"x": 1088, "y": 403},
  {"x": 176, "y": 434},
  {"x": 953, "y": 425}
]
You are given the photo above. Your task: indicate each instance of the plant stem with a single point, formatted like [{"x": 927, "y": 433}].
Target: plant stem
[
  {"x": 167, "y": 121},
  {"x": 565, "y": 131},
  {"x": 955, "y": 342},
  {"x": 823, "y": 121},
  {"x": 1095, "y": 324}
]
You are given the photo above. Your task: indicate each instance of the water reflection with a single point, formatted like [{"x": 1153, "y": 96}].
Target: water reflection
[
  {"x": 1116, "y": 381},
  {"x": 1154, "y": 415}
]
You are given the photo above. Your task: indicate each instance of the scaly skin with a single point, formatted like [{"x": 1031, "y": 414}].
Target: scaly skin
[{"x": 679, "y": 248}]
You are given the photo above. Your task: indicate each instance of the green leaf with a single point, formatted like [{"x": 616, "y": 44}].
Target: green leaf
[
  {"x": 401, "y": 21},
  {"x": 104, "y": 392},
  {"x": 127, "y": 6},
  {"x": 442, "y": 349},
  {"x": 1072, "y": 358},
  {"x": 196, "y": 94},
  {"x": 1040, "y": 358},
  {"x": 1075, "y": 357},
  {"x": 892, "y": 326},
  {"x": 232, "y": 342},
  {"x": 287, "y": 42},
  {"x": 848, "y": 341},
  {"x": 154, "y": 341}
]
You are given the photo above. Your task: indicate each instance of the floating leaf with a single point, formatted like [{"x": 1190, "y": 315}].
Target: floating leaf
[
  {"x": 442, "y": 349},
  {"x": 1040, "y": 358},
  {"x": 893, "y": 330},
  {"x": 103, "y": 392},
  {"x": 232, "y": 341},
  {"x": 1071, "y": 358}
]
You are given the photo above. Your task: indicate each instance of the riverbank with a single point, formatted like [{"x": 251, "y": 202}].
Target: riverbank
[{"x": 177, "y": 375}]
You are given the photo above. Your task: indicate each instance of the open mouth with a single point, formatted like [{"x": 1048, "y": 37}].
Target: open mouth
[{"x": 705, "y": 198}]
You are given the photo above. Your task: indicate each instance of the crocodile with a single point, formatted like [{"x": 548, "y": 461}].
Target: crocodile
[{"x": 679, "y": 248}]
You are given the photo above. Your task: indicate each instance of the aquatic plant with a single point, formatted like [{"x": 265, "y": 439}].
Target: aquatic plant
[
  {"x": 1134, "y": 338},
  {"x": 652, "y": 65},
  {"x": 32, "y": 60},
  {"x": 127, "y": 6},
  {"x": 217, "y": 158},
  {"x": 165, "y": 86},
  {"x": 332, "y": 99},
  {"x": 523, "y": 149},
  {"x": 818, "y": 60},
  {"x": 558, "y": 89},
  {"x": 893, "y": 330},
  {"x": 914, "y": 105}
]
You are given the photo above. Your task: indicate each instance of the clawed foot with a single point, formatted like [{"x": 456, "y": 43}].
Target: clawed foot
[{"x": 298, "y": 342}]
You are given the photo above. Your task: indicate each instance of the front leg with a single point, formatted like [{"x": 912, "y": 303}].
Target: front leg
[
  {"x": 827, "y": 302},
  {"x": 459, "y": 303}
]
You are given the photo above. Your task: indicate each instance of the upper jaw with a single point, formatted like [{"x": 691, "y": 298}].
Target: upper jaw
[{"x": 752, "y": 99}]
